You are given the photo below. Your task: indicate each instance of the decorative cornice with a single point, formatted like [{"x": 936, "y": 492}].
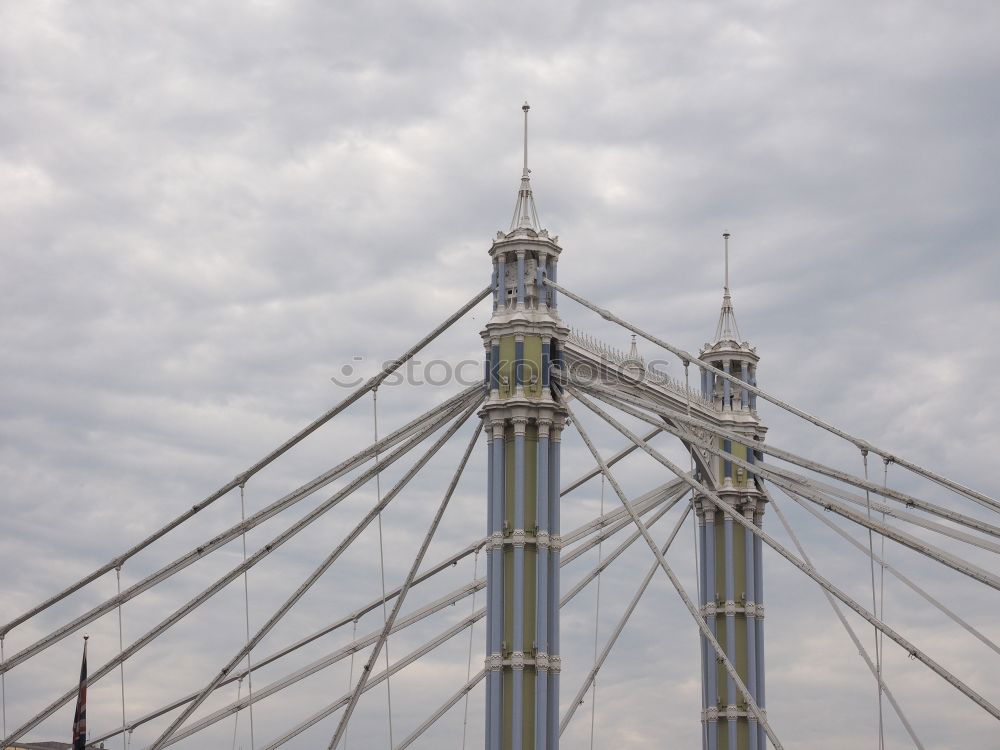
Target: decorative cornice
[{"x": 542, "y": 661}]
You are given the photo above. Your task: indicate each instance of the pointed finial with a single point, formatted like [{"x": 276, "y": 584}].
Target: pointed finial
[
  {"x": 725, "y": 236},
  {"x": 727, "y": 330},
  {"x": 525, "y": 109},
  {"x": 525, "y": 215}
]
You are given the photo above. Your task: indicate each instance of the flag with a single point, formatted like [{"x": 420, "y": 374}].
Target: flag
[{"x": 80, "y": 717}]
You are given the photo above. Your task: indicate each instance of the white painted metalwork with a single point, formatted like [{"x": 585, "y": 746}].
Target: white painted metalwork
[
  {"x": 241, "y": 478},
  {"x": 391, "y": 619},
  {"x": 709, "y": 635},
  {"x": 599, "y": 660},
  {"x": 876, "y": 672},
  {"x": 978, "y": 497},
  {"x": 909, "y": 647}
]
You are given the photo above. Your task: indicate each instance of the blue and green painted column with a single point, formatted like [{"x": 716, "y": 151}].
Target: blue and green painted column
[
  {"x": 525, "y": 425},
  {"x": 730, "y": 566}
]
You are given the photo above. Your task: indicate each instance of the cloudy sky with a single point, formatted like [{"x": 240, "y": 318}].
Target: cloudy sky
[{"x": 210, "y": 208}]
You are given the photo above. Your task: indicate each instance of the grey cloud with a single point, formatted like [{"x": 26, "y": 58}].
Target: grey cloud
[{"x": 209, "y": 207}]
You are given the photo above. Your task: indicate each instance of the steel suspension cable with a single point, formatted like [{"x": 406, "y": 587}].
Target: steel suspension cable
[
  {"x": 468, "y": 622},
  {"x": 3, "y": 689},
  {"x": 350, "y": 676},
  {"x": 391, "y": 619},
  {"x": 618, "y": 519},
  {"x": 308, "y": 430},
  {"x": 871, "y": 566},
  {"x": 335, "y": 657},
  {"x": 809, "y": 506},
  {"x": 312, "y": 578},
  {"x": 881, "y": 574},
  {"x": 645, "y": 504},
  {"x": 597, "y": 630},
  {"x": 611, "y": 461},
  {"x": 876, "y": 672},
  {"x": 377, "y": 679},
  {"x": 768, "y": 448},
  {"x": 232, "y": 575},
  {"x": 787, "y": 479},
  {"x": 468, "y": 670},
  {"x": 694, "y": 516},
  {"x": 661, "y": 559},
  {"x": 621, "y": 548},
  {"x": 409, "y": 435},
  {"x": 365, "y": 641},
  {"x": 360, "y": 643},
  {"x": 381, "y": 568},
  {"x": 617, "y": 631},
  {"x": 978, "y": 497},
  {"x": 246, "y": 609},
  {"x": 121, "y": 647},
  {"x": 694, "y": 550},
  {"x": 443, "y": 709},
  {"x": 236, "y": 716},
  {"x": 766, "y": 538}
]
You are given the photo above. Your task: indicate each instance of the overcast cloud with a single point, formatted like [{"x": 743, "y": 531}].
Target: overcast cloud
[{"x": 208, "y": 208}]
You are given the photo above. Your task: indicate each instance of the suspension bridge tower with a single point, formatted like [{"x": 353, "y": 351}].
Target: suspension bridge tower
[
  {"x": 730, "y": 557},
  {"x": 525, "y": 424}
]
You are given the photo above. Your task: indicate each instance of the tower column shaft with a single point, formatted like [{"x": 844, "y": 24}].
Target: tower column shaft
[
  {"x": 517, "y": 657},
  {"x": 745, "y": 377},
  {"x": 703, "y": 643},
  {"x": 713, "y": 598},
  {"x": 727, "y": 526},
  {"x": 490, "y": 609},
  {"x": 496, "y": 587},
  {"x": 540, "y": 289},
  {"x": 520, "y": 279},
  {"x": 758, "y": 570},
  {"x": 751, "y": 639},
  {"x": 555, "y": 661},
  {"x": 502, "y": 271},
  {"x": 496, "y": 286},
  {"x": 553, "y": 295},
  {"x": 542, "y": 593},
  {"x": 726, "y": 387}
]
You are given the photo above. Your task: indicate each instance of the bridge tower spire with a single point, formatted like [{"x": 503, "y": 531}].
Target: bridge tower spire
[
  {"x": 523, "y": 338},
  {"x": 729, "y": 557}
]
